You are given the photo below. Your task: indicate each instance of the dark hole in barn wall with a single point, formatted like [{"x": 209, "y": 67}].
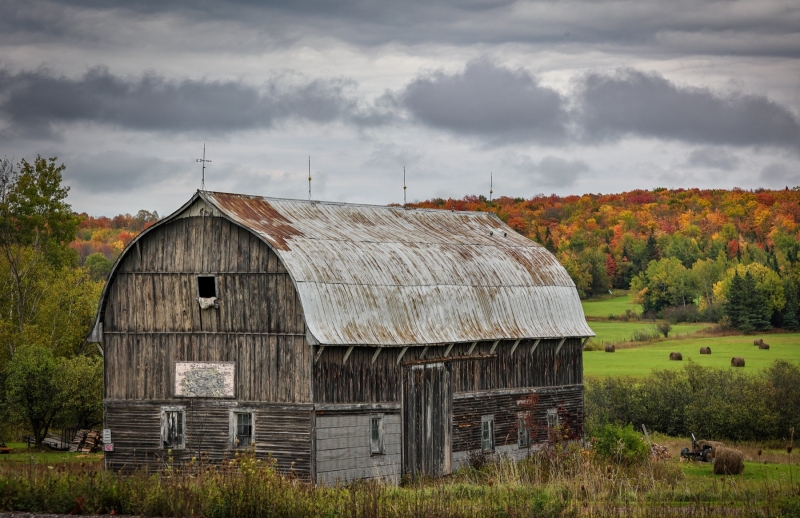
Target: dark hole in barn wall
[{"x": 206, "y": 286}]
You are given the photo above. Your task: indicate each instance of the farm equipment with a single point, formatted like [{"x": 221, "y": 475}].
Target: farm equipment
[{"x": 698, "y": 453}]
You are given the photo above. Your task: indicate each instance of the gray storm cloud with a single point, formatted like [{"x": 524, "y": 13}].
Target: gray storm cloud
[
  {"x": 494, "y": 104},
  {"x": 35, "y": 102},
  {"x": 487, "y": 100},
  {"x": 634, "y": 103},
  {"x": 745, "y": 27}
]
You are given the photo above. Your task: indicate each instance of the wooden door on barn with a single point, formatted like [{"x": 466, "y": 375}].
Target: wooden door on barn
[{"x": 427, "y": 420}]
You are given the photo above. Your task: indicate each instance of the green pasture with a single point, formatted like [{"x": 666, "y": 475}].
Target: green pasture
[
  {"x": 23, "y": 454},
  {"x": 753, "y": 471},
  {"x": 639, "y": 361},
  {"x": 616, "y": 332},
  {"x": 610, "y": 306}
]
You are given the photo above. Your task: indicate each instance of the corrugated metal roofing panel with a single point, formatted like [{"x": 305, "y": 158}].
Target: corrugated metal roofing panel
[{"x": 389, "y": 276}]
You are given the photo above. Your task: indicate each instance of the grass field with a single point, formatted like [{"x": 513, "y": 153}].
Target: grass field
[
  {"x": 23, "y": 454},
  {"x": 639, "y": 361},
  {"x": 611, "y": 306},
  {"x": 616, "y": 332}
]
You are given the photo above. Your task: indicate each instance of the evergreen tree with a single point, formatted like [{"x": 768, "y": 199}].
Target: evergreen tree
[
  {"x": 758, "y": 310},
  {"x": 747, "y": 305},
  {"x": 735, "y": 305},
  {"x": 790, "y": 310},
  {"x": 548, "y": 241},
  {"x": 650, "y": 250}
]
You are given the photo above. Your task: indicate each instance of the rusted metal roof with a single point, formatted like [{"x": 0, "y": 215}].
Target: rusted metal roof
[{"x": 390, "y": 276}]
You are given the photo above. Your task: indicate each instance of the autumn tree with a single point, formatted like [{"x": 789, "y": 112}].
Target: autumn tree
[{"x": 36, "y": 225}]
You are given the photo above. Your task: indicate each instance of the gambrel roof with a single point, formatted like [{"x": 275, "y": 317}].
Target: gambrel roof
[{"x": 392, "y": 276}]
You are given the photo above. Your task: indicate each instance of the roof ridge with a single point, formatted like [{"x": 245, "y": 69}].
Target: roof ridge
[{"x": 346, "y": 204}]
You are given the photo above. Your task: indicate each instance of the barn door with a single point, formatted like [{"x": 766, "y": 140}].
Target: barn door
[{"x": 427, "y": 418}]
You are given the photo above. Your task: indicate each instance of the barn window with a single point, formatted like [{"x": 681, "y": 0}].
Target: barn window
[
  {"x": 552, "y": 418},
  {"x": 242, "y": 428},
  {"x": 523, "y": 432},
  {"x": 173, "y": 426},
  {"x": 376, "y": 435},
  {"x": 487, "y": 433},
  {"x": 206, "y": 286}
]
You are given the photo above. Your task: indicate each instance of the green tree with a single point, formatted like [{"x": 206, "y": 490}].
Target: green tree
[
  {"x": 36, "y": 225},
  {"x": 746, "y": 304},
  {"x": 578, "y": 272},
  {"x": 735, "y": 305},
  {"x": 33, "y": 389},
  {"x": 99, "y": 267},
  {"x": 666, "y": 282},
  {"x": 789, "y": 316},
  {"x": 594, "y": 263},
  {"x": 82, "y": 386},
  {"x": 706, "y": 273},
  {"x": 766, "y": 299}
]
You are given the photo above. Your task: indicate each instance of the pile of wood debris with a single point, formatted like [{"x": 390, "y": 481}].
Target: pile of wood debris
[
  {"x": 659, "y": 452},
  {"x": 87, "y": 441}
]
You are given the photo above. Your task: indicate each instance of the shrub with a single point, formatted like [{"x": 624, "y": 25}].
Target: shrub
[
  {"x": 645, "y": 335},
  {"x": 712, "y": 403},
  {"x": 620, "y": 444},
  {"x": 664, "y": 328},
  {"x": 687, "y": 313}
]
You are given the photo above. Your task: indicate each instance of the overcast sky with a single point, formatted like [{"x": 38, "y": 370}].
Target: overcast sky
[{"x": 556, "y": 96}]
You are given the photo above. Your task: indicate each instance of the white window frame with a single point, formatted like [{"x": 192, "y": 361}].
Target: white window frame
[
  {"x": 234, "y": 427},
  {"x": 523, "y": 432},
  {"x": 378, "y": 448},
  {"x": 552, "y": 417},
  {"x": 487, "y": 425},
  {"x": 181, "y": 443}
]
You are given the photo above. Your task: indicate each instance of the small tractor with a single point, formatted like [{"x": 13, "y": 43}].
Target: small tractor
[{"x": 697, "y": 453}]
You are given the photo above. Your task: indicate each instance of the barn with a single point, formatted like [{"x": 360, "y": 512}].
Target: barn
[{"x": 345, "y": 341}]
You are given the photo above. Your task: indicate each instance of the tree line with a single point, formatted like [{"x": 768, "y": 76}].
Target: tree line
[
  {"x": 49, "y": 375},
  {"x": 679, "y": 251}
]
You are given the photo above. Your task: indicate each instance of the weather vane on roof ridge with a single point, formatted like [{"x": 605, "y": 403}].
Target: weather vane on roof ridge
[
  {"x": 404, "y": 186},
  {"x": 309, "y": 177},
  {"x": 491, "y": 181},
  {"x": 203, "y": 160}
]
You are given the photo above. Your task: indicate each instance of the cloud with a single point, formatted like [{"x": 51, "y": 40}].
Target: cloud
[
  {"x": 634, "y": 103},
  {"x": 747, "y": 27},
  {"x": 37, "y": 102},
  {"x": 120, "y": 172},
  {"x": 393, "y": 157},
  {"x": 487, "y": 100},
  {"x": 713, "y": 158},
  {"x": 550, "y": 171},
  {"x": 778, "y": 174},
  {"x": 493, "y": 104}
]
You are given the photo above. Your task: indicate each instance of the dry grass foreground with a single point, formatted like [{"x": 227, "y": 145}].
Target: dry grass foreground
[{"x": 559, "y": 480}]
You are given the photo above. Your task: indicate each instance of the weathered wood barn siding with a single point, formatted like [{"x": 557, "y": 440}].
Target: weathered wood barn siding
[
  {"x": 359, "y": 380},
  {"x": 152, "y": 319}
]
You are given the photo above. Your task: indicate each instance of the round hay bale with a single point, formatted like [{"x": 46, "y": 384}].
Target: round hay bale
[
  {"x": 737, "y": 361},
  {"x": 676, "y": 357},
  {"x": 763, "y": 345},
  {"x": 705, "y": 350},
  {"x": 610, "y": 348},
  {"x": 728, "y": 461},
  {"x": 758, "y": 342}
]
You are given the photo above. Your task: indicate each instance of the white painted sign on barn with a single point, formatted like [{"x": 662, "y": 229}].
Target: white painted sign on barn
[{"x": 204, "y": 379}]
